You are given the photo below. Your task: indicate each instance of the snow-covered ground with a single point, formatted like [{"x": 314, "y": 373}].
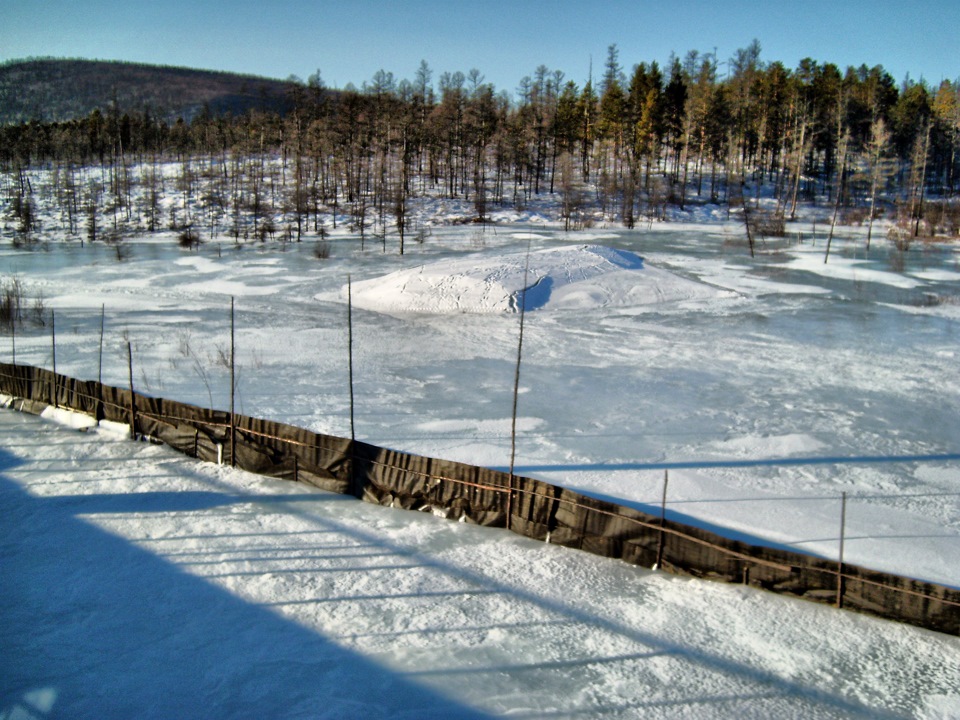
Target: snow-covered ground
[
  {"x": 138, "y": 583},
  {"x": 766, "y": 386}
]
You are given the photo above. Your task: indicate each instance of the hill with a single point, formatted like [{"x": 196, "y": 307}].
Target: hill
[{"x": 52, "y": 90}]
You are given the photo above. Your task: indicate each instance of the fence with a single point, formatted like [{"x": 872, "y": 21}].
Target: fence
[{"x": 487, "y": 497}]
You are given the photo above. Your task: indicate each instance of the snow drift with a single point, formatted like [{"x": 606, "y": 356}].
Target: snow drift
[{"x": 573, "y": 277}]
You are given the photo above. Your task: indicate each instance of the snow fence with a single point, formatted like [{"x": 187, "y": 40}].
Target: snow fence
[{"x": 487, "y": 497}]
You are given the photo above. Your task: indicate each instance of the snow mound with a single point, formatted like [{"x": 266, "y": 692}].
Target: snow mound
[{"x": 573, "y": 277}]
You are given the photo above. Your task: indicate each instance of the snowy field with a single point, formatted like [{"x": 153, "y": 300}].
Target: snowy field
[
  {"x": 766, "y": 386},
  {"x": 139, "y": 583}
]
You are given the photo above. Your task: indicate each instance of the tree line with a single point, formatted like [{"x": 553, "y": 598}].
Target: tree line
[{"x": 630, "y": 144}]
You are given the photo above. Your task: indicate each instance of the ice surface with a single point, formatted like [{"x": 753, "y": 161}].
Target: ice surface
[
  {"x": 767, "y": 387},
  {"x": 778, "y": 384}
]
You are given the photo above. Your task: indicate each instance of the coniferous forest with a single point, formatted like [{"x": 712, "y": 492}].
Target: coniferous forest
[{"x": 755, "y": 137}]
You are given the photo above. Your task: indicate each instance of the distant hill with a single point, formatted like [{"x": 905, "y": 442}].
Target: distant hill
[{"x": 54, "y": 90}]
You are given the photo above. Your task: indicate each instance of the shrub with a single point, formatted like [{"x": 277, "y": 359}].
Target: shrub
[
  {"x": 321, "y": 250},
  {"x": 768, "y": 224},
  {"x": 11, "y": 303},
  {"x": 189, "y": 239}
]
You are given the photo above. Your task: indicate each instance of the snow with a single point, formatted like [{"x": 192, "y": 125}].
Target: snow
[
  {"x": 77, "y": 421},
  {"x": 139, "y": 583},
  {"x": 765, "y": 386},
  {"x": 855, "y": 270},
  {"x": 576, "y": 277},
  {"x": 759, "y": 447}
]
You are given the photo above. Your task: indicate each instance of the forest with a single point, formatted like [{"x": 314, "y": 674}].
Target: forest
[{"x": 754, "y": 136}]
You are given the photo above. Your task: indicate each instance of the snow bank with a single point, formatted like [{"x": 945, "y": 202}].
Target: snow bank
[
  {"x": 574, "y": 277},
  {"x": 69, "y": 418}
]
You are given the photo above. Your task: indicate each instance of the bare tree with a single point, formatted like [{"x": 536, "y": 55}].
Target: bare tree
[{"x": 879, "y": 168}]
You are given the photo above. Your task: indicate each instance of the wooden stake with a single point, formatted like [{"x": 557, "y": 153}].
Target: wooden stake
[
  {"x": 99, "y": 412},
  {"x": 133, "y": 396},
  {"x": 843, "y": 523},
  {"x": 233, "y": 391},
  {"x": 351, "y": 458},
  {"x": 13, "y": 340},
  {"x": 100, "y": 361},
  {"x": 53, "y": 344},
  {"x": 663, "y": 519},
  {"x": 516, "y": 389},
  {"x": 353, "y": 435}
]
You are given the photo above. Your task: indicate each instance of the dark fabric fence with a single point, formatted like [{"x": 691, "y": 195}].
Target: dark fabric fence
[{"x": 487, "y": 497}]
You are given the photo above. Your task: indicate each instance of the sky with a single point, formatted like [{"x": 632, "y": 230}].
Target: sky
[{"x": 504, "y": 39}]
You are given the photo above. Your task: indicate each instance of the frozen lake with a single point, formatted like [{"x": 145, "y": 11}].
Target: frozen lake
[{"x": 785, "y": 383}]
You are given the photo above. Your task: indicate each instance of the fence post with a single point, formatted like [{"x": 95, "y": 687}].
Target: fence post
[
  {"x": 843, "y": 523},
  {"x": 663, "y": 517},
  {"x": 353, "y": 436},
  {"x": 100, "y": 357},
  {"x": 99, "y": 411},
  {"x": 233, "y": 392},
  {"x": 53, "y": 344},
  {"x": 351, "y": 457},
  {"x": 13, "y": 340},
  {"x": 133, "y": 396},
  {"x": 516, "y": 388}
]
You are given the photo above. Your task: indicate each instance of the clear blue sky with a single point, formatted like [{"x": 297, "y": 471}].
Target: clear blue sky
[{"x": 349, "y": 40}]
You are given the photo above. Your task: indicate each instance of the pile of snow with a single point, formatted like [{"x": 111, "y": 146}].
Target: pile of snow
[
  {"x": 573, "y": 277},
  {"x": 68, "y": 418}
]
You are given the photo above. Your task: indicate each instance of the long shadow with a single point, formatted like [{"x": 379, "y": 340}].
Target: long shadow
[
  {"x": 163, "y": 501},
  {"x": 93, "y": 626},
  {"x": 144, "y": 639},
  {"x": 774, "y": 685},
  {"x": 545, "y": 665},
  {"x": 692, "y": 521},
  {"x": 810, "y": 498},
  {"x": 671, "y": 513},
  {"x": 792, "y": 546},
  {"x": 9, "y": 461},
  {"x": 711, "y": 464}
]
